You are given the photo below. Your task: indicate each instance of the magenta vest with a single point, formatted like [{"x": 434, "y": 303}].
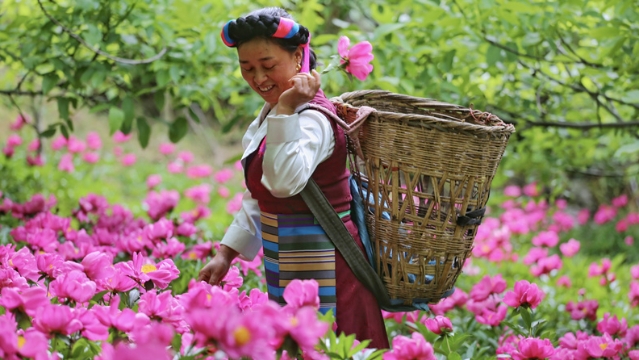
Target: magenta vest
[{"x": 331, "y": 175}]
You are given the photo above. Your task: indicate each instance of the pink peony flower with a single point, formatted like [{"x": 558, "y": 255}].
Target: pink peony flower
[
  {"x": 546, "y": 238},
  {"x": 306, "y": 329},
  {"x": 66, "y": 163},
  {"x": 56, "y": 319},
  {"x": 583, "y": 216},
  {"x": 92, "y": 328},
  {"x": 153, "y": 180},
  {"x": 27, "y": 300},
  {"x": 128, "y": 160},
  {"x": 35, "y": 160},
  {"x": 111, "y": 316},
  {"x": 415, "y": 347},
  {"x": 487, "y": 286},
  {"x": 34, "y": 145},
  {"x": 612, "y": 326},
  {"x": 14, "y": 140},
  {"x": 98, "y": 265},
  {"x": 120, "y": 137},
  {"x": 629, "y": 240},
  {"x": 599, "y": 269},
  {"x": 75, "y": 145},
  {"x": 524, "y": 294},
  {"x": 512, "y": 191},
  {"x": 223, "y": 191},
  {"x": 199, "y": 171},
  {"x": 8, "y": 151},
  {"x": 564, "y": 281},
  {"x": 166, "y": 148},
  {"x": 535, "y": 254},
  {"x": 532, "y": 348},
  {"x": 235, "y": 204},
  {"x": 356, "y": 60},
  {"x": 599, "y": 347},
  {"x": 58, "y": 143},
  {"x": 74, "y": 285},
  {"x": 570, "y": 248},
  {"x": 175, "y": 167},
  {"x": 585, "y": 309},
  {"x": 94, "y": 142},
  {"x": 620, "y": 201},
  {"x": 438, "y": 324},
  {"x": 531, "y": 190},
  {"x": 223, "y": 176},
  {"x": 199, "y": 193},
  {"x": 91, "y": 157},
  {"x": 161, "y": 306},
  {"x": 605, "y": 214},
  {"x": 161, "y": 203},
  {"x": 546, "y": 265},
  {"x": 299, "y": 293},
  {"x": 19, "y": 122},
  {"x": 186, "y": 156},
  {"x": 186, "y": 229}
]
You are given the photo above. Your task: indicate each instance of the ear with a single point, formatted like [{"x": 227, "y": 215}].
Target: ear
[{"x": 298, "y": 54}]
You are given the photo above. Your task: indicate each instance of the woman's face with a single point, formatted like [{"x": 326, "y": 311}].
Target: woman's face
[{"x": 267, "y": 67}]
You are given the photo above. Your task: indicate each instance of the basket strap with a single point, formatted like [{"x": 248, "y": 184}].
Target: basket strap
[{"x": 343, "y": 241}]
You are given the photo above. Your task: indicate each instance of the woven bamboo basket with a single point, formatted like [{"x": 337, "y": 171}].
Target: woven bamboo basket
[{"x": 426, "y": 167}]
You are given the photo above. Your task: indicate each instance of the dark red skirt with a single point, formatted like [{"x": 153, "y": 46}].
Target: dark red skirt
[{"x": 357, "y": 309}]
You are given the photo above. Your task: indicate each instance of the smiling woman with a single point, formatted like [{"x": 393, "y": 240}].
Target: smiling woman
[{"x": 283, "y": 149}]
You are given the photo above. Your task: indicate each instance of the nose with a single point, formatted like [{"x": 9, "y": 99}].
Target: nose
[{"x": 260, "y": 77}]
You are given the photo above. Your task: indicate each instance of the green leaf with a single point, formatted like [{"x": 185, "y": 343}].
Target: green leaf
[
  {"x": 158, "y": 97},
  {"x": 178, "y": 129},
  {"x": 526, "y": 317},
  {"x": 493, "y": 55},
  {"x": 49, "y": 132},
  {"x": 144, "y": 132},
  {"x": 386, "y": 29},
  {"x": 99, "y": 107},
  {"x": 631, "y": 96},
  {"x": 80, "y": 348},
  {"x": 49, "y": 82},
  {"x": 116, "y": 118},
  {"x": 63, "y": 108},
  {"x": 454, "y": 356},
  {"x": 129, "y": 115},
  {"x": 64, "y": 131},
  {"x": 162, "y": 78},
  {"x": 176, "y": 343}
]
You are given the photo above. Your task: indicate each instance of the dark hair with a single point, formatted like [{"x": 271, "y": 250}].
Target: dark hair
[{"x": 263, "y": 23}]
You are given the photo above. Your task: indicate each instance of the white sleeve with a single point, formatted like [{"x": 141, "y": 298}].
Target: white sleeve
[
  {"x": 244, "y": 234},
  {"x": 295, "y": 145}
]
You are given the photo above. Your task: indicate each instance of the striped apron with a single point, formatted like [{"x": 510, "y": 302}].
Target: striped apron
[{"x": 296, "y": 247}]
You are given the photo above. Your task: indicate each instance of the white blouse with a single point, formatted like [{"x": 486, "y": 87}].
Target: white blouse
[{"x": 296, "y": 145}]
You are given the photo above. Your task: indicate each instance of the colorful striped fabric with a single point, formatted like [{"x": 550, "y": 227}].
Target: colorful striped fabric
[{"x": 296, "y": 247}]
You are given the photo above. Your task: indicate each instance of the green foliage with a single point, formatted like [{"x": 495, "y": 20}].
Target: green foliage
[{"x": 565, "y": 72}]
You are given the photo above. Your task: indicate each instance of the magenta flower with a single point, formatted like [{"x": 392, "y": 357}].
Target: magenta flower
[
  {"x": 175, "y": 167},
  {"x": 546, "y": 238},
  {"x": 49, "y": 264},
  {"x": 633, "y": 294},
  {"x": 120, "y": 137},
  {"x": 492, "y": 317},
  {"x": 534, "y": 255},
  {"x": 223, "y": 176},
  {"x": 128, "y": 159},
  {"x": 299, "y": 293},
  {"x": 161, "y": 229},
  {"x": 487, "y": 286},
  {"x": 8, "y": 151},
  {"x": 66, "y": 163},
  {"x": 27, "y": 301},
  {"x": 546, "y": 265},
  {"x": 94, "y": 142},
  {"x": 161, "y": 203},
  {"x": 75, "y": 145},
  {"x": 415, "y": 347},
  {"x": 185, "y": 156},
  {"x": 14, "y": 140},
  {"x": 599, "y": 347},
  {"x": 199, "y": 193},
  {"x": 438, "y": 324},
  {"x": 169, "y": 249},
  {"x": 56, "y": 319},
  {"x": 166, "y": 148},
  {"x": 19, "y": 122},
  {"x": 512, "y": 191},
  {"x": 223, "y": 191},
  {"x": 153, "y": 180},
  {"x": 199, "y": 171},
  {"x": 306, "y": 329},
  {"x": 524, "y": 294},
  {"x": 34, "y": 145},
  {"x": 605, "y": 214},
  {"x": 187, "y": 229},
  {"x": 142, "y": 270},
  {"x": 111, "y": 316},
  {"x": 161, "y": 306},
  {"x": 74, "y": 285},
  {"x": 532, "y": 348},
  {"x": 58, "y": 143},
  {"x": 235, "y": 204},
  {"x": 599, "y": 269},
  {"x": 570, "y": 248},
  {"x": 531, "y": 190},
  {"x": 98, "y": 265},
  {"x": 612, "y": 326},
  {"x": 564, "y": 281},
  {"x": 620, "y": 201},
  {"x": 356, "y": 60},
  {"x": 92, "y": 328},
  {"x": 584, "y": 309}
]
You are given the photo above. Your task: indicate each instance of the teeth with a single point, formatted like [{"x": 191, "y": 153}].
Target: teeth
[{"x": 266, "y": 88}]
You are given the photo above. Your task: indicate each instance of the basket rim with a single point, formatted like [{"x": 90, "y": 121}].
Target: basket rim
[{"x": 461, "y": 125}]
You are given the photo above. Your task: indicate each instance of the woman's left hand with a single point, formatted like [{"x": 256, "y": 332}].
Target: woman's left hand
[{"x": 304, "y": 86}]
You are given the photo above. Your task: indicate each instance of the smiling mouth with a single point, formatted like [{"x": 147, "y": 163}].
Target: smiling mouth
[{"x": 266, "y": 89}]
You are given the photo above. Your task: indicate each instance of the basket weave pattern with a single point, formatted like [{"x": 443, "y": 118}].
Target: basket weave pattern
[{"x": 425, "y": 163}]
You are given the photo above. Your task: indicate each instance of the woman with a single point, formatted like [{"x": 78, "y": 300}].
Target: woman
[{"x": 283, "y": 149}]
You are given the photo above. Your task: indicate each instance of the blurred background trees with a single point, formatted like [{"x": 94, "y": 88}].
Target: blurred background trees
[{"x": 564, "y": 72}]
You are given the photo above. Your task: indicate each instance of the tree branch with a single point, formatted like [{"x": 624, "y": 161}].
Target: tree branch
[
  {"x": 515, "y": 118},
  {"x": 98, "y": 51}
]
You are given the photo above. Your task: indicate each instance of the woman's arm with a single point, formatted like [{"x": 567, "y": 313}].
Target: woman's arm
[{"x": 295, "y": 145}]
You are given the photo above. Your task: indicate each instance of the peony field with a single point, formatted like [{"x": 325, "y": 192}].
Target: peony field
[{"x": 101, "y": 244}]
